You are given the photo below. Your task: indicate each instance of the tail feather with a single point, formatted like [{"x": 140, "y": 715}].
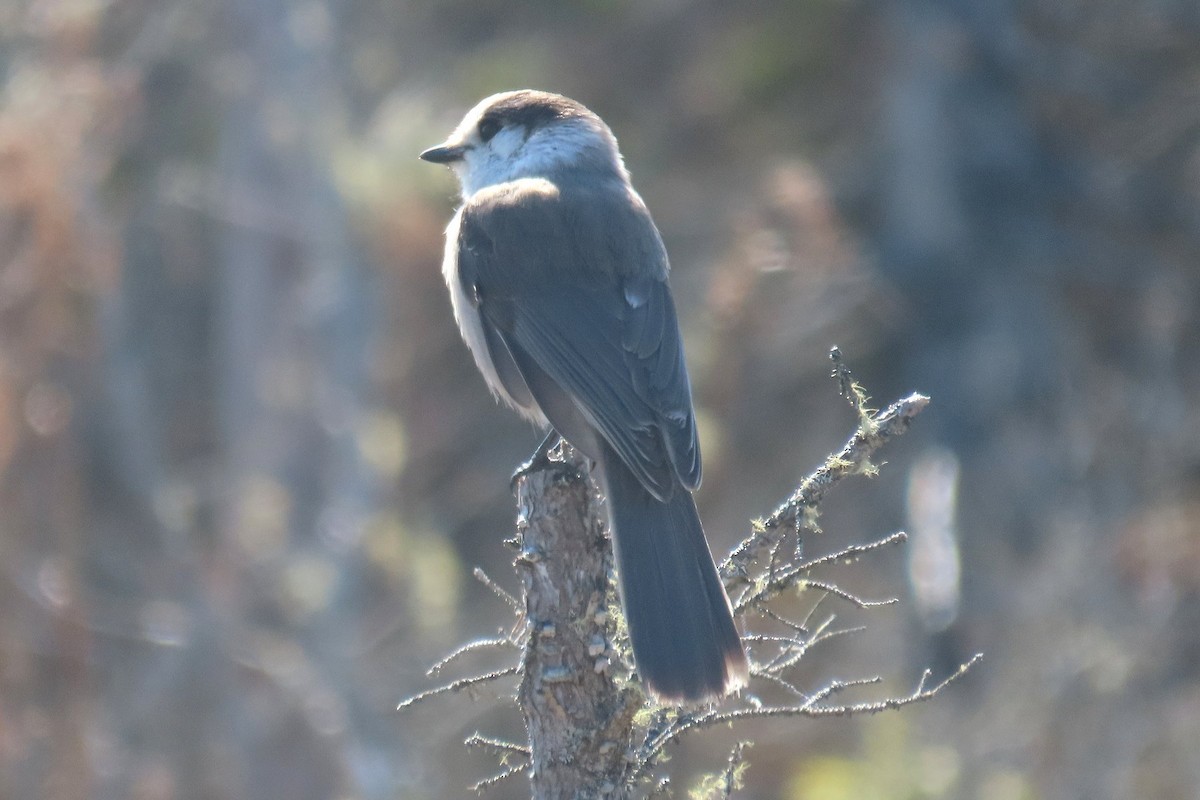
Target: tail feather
[{"x": 684, "y": 640}]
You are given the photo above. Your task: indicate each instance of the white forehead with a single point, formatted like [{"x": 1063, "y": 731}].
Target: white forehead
[{"x": 471, "y": 120}]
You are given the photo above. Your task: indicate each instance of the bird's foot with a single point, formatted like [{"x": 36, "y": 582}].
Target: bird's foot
[{"x": 540, "y": 459}]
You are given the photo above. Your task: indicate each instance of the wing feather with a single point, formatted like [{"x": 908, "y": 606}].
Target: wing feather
[{"x": 578, "y": 283}]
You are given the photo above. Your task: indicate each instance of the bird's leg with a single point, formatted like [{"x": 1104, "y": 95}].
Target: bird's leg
[{"x": 540, "y": 458}]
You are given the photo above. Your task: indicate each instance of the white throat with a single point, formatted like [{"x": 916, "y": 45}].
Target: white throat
[{"x": 546, "y": 152}]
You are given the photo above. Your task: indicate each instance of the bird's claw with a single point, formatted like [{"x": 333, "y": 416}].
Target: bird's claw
[{"x": 540, "y": 460}]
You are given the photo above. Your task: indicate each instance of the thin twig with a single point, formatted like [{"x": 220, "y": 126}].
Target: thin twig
[
  {"x": 652, "y": 748},
  {"x": 791, "y": 578},
  {"x": 781, "y": 580},
  {"x": 469, "y": 647},
  {"x": 854, "y": 599},
  {"x": 779, "y": 640},
  {"x": 854, "y": 552},
  {"x": 837, "y": 687},
  {"x": 771, "y": 677},
  {"x": 499, "y": 745},
  {"x": 487, "y": 783},
  {"x": 798, "y": 627},
  {"x": 500, "y": 591},
  {"x": 826, "y": 635},
  {"x": 786, "y": 660},
  {"x": 458, "y": 686},
  {"x": 811, "y": 709}
]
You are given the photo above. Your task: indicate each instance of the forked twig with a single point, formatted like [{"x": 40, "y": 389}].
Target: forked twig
[
  {"x": 812, "y": 707},
  {"x": 874, "y": 431}
]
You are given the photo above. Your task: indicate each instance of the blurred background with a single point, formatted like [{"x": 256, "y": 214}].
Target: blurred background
[{"x": 247, "y": 466}]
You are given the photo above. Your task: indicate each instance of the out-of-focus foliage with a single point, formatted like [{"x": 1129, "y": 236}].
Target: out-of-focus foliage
[{"x": 246, "y": 466}]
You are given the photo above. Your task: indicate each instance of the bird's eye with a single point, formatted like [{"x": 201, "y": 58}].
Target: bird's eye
[{"x": 488, "y": 128}]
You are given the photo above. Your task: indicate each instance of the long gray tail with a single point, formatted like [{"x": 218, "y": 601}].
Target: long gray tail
[{"x": 684, "y": 640}]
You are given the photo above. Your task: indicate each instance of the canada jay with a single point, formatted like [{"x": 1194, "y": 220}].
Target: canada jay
[{"x": 558, "y": 279}]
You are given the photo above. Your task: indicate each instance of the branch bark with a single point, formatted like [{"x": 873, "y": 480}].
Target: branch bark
[{"x": 579, "y": 720}]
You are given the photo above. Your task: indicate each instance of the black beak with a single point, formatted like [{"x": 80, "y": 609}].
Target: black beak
[{"x": 443, "y": 154}]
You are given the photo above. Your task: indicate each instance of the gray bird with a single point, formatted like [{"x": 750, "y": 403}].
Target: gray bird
[{"x": 558, "y": 278}]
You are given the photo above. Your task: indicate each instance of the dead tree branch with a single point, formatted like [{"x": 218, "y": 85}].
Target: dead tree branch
[
  {"x": 578, "y": 716},
  {"x": 591, "y": 734}
]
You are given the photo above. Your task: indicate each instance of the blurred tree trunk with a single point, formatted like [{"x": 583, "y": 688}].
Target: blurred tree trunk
[
  {"x": 235, "y": 371},
  {"x": 1034, "y": 201}
]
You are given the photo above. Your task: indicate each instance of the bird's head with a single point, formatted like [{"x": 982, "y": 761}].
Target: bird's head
[{"x": 527, "y": 134}]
